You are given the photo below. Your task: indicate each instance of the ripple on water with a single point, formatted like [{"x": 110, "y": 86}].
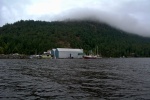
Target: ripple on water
[{"x": 63, "y": 79}]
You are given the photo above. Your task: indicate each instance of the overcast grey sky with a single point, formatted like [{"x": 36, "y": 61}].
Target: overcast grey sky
[{"x": 128, "y": 15}]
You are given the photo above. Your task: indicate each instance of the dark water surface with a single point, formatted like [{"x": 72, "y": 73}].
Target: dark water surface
[{"x": 73, "y": 79}]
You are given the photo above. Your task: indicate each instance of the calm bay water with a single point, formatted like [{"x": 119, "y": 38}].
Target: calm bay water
[{"x": 73, "y": 79}]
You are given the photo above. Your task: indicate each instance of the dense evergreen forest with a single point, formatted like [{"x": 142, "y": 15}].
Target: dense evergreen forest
[{"x": 30, "y": 37}]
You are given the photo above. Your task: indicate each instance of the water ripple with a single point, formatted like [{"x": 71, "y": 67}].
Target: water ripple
[{"x": 65, "y": 79}]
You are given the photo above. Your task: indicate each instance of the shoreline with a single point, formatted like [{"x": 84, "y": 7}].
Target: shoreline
[{"x": 13, "y": 56}]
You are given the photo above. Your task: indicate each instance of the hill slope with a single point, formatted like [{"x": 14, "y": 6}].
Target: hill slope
[{"x": 28, "y": 37}]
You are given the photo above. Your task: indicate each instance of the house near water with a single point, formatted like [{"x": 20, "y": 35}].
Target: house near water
[{"x": 65, "y": 53}]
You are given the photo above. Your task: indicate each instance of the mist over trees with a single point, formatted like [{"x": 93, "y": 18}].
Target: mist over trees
[{"x": 30, "y": 37}]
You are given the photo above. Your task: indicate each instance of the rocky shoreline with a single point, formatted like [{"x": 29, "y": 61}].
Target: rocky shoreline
[{"x": 12, "y": 56}]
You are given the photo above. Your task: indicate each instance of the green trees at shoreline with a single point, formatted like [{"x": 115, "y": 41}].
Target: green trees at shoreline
[{"x": 30, "y": 37}]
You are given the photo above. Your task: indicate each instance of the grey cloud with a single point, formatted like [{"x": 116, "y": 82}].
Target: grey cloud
[
  {"x": 125, "y": 22},
  {"x": 129, "y": 15}
]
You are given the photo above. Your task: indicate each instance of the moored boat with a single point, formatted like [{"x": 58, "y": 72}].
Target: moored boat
[{"x": 91, "y": 57}]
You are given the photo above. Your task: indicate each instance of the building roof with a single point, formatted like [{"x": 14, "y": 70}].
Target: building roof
[
  {"x": 69, "y": 49},
  {"x": 53, "y": 49}
]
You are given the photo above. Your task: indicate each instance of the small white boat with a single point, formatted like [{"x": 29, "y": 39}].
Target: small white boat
[
  {"x": 91, "y": 57},
  {"x": 35, "y": 57}
]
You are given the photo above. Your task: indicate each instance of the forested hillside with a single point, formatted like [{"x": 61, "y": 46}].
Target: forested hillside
[{"x": 30, "y": 37}]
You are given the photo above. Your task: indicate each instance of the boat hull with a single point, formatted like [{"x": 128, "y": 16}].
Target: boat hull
[{"x": 89, "y": 57}]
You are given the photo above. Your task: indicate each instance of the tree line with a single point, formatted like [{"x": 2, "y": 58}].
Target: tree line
[{"x": 30, "y": 37}]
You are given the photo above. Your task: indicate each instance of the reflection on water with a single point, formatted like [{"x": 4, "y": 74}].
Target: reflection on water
[{"x": 104, "y": 79}]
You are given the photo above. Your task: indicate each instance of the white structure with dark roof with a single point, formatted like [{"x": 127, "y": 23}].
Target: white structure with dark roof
[{"x": 62, "y": 53}]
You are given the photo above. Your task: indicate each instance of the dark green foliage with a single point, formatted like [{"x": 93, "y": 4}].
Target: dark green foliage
[{"x": 30, "y": 37}]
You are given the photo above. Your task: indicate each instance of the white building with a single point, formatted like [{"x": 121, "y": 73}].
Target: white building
[
  {"x": 53, "y": 53},
  {"x": 62, "y": 53}
]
